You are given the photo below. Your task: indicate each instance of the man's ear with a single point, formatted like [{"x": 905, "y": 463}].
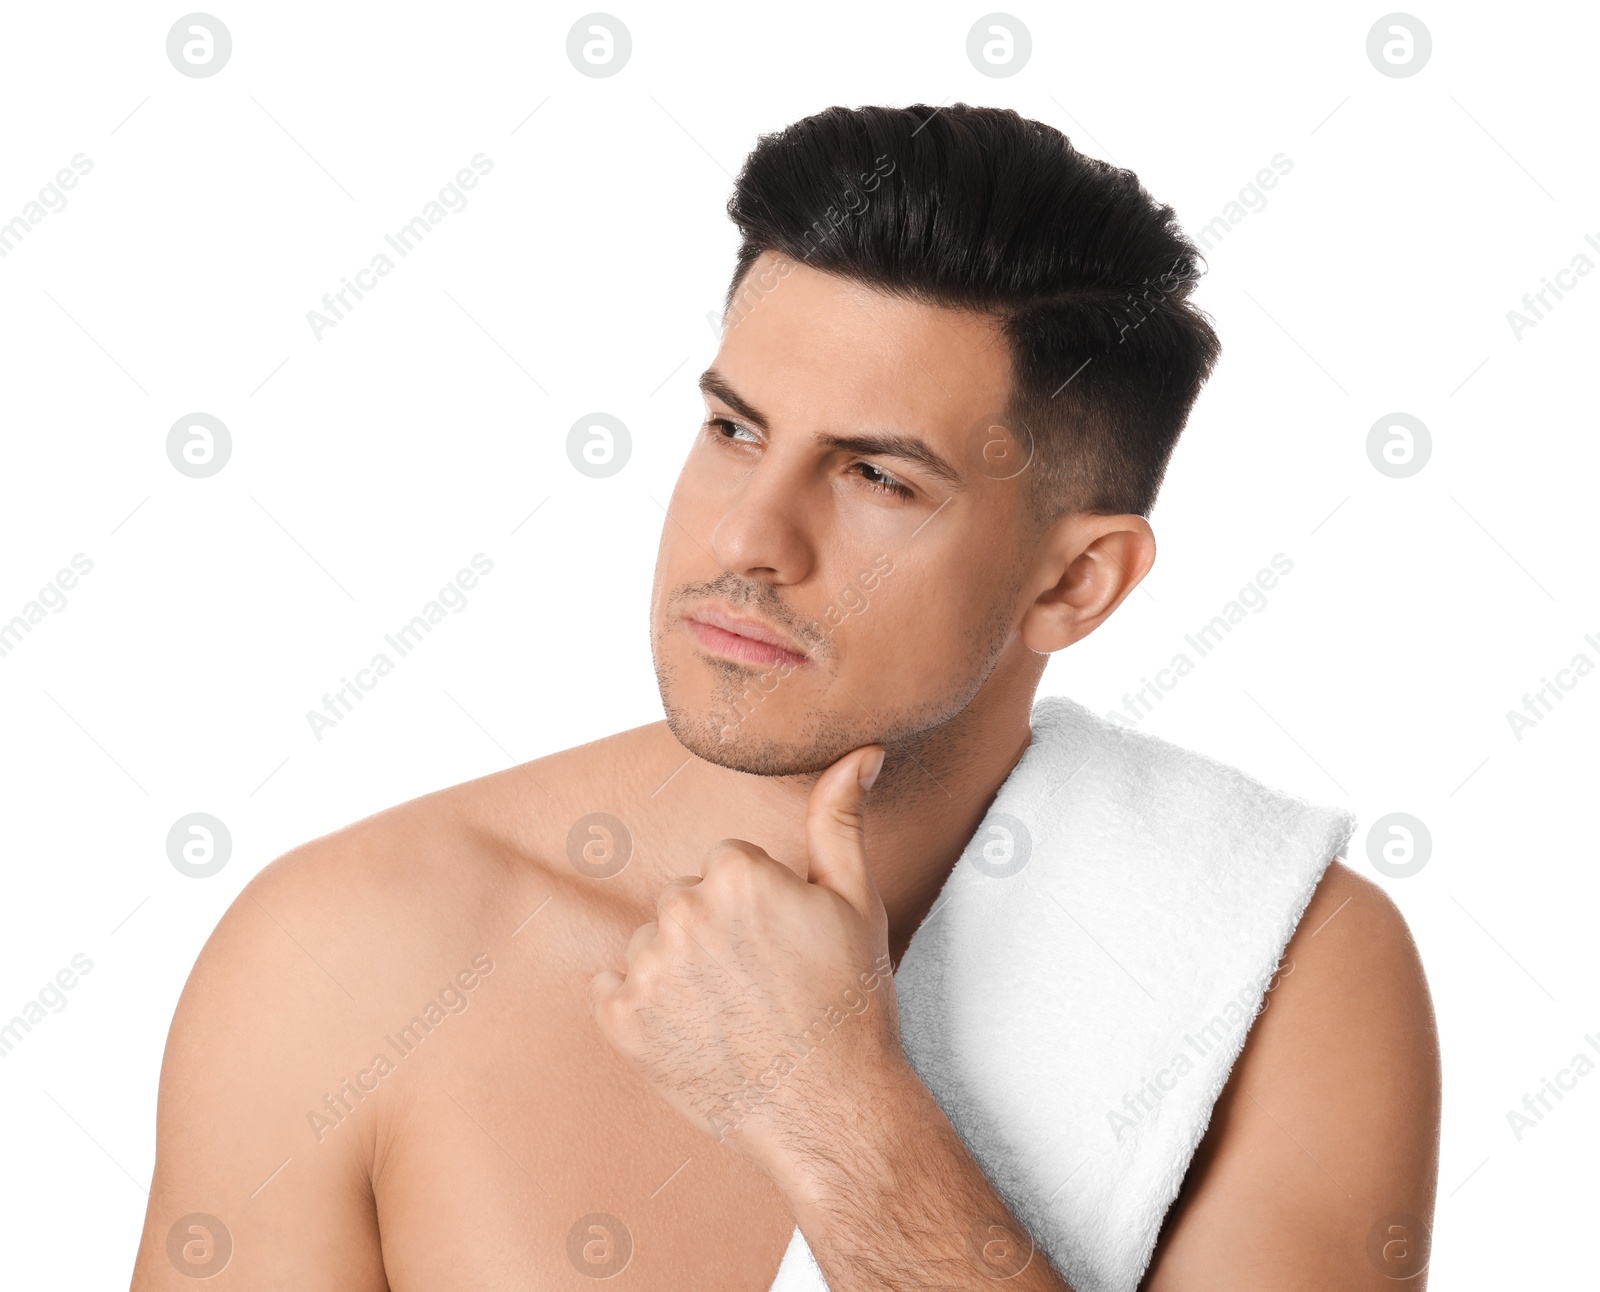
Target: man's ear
[{"x": 1086, "y": 565}]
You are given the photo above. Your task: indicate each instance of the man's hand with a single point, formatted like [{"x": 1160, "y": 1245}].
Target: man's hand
[
  {"x": 762, "y": 1004},
  {"x": 759, "y": 1002}
]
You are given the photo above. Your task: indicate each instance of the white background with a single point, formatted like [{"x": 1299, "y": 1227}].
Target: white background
[{"x": 369, "y": 465}]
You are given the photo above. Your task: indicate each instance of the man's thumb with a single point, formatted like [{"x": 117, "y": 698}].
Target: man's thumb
[{"x": 835, "y": 827}]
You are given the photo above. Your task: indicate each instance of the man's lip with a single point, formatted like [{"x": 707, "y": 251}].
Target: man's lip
[{"x": 750, "y": 629}]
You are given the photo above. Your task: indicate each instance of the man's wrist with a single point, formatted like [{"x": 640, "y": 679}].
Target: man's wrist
[
  {"x": 844, "y": 1152},
  {"x": 893, "y": 1197}
]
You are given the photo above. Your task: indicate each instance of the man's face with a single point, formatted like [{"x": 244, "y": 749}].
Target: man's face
[{"x": 896, "y": 577}]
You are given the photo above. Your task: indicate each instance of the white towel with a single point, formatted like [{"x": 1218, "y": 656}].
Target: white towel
[{"x": 1080, "y": 990}]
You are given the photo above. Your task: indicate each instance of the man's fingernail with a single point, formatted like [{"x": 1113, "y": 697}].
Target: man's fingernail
[{"x": 871, "y": 765}]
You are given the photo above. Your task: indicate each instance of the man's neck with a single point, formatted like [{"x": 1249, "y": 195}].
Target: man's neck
[{"x": 928, "y": 802}]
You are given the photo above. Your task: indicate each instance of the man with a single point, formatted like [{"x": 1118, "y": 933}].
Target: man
[{"x": 492, "y": 1038}]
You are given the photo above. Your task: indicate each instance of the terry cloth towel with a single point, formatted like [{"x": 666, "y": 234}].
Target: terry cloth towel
[{"x": 1080, "y": 990}]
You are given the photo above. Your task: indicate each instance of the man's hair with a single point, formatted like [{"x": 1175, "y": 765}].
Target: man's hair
[{"x": 983, "y": 209}]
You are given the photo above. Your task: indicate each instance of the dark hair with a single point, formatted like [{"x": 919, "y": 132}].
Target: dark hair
[{"x": 981, "y": 208}]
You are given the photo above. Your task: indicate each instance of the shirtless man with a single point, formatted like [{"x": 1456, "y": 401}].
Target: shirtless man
[{"x": 487, "y": 1039}]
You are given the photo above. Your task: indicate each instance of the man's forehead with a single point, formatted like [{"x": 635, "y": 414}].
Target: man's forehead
[{"x": 818, "y": 340}]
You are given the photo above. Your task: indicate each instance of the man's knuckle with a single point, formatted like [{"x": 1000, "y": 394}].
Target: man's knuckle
[{"x": 677, "y": 902}]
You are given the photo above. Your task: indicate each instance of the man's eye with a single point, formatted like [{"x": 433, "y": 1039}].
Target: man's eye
[
  {"x": 721, "y": 429},
  {"x": 715, "y": 427},
  {"x": 885, "y": 483}
]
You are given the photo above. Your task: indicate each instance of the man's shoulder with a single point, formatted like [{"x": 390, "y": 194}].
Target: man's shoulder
[
  {"x": 378, "y": 906},
  {"x": 301, "y": 1035},
  {"x": 1335, "y": 1099},
  {"x": 342, "y": 933},
  {"x": 1360, "y": 956},
  {"x": 1347, "y": 1034},
  {"x": 453, "y": 847}
]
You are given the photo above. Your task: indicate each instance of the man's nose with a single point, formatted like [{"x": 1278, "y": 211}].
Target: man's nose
[{"x": 765, "y": 528}]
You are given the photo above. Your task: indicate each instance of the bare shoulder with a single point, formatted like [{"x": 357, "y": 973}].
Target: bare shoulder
[
  {"x": 1349, "y": 1027},
  {"x": 446, "y": 858},
  {"x": 351, "y": 915},
  {"x": 1320, "y": 1161},
  {"x": 276, "y": 1095},
  {"x": 1364, "y": 991},
  {"x": 345, "y": 919}
]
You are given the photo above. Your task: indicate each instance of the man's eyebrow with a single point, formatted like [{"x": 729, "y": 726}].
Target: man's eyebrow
[
  {"x": 905, "y": 447},
  {"x": 714, "y": 383}
]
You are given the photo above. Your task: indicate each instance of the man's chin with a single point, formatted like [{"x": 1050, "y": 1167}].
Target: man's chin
[{"x": 740, "y": 748}]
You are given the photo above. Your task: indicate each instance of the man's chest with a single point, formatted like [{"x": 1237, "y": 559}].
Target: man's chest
[{"x": 527, "y": 1154}]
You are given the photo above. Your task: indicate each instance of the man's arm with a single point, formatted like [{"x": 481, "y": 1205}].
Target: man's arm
[
  {"x": 730, "y": 1007},
  {"x": 1318, "y": 1171},
  {"x": 244, "y": 1192},
  {"x": 890, "y": 1200},
  {"x": 1320, "y": 1164}
]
